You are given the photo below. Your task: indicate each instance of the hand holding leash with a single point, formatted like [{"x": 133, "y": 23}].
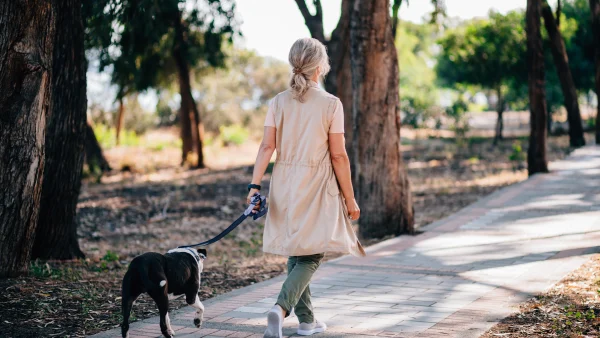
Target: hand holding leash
[{"x": 257, "y": 208}]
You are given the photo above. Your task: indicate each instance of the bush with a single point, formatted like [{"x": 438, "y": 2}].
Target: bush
[
  {"x": 234, "y": 134},
  {"x": 107, "y": 137}
]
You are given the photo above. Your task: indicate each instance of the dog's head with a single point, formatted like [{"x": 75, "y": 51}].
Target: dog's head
[{"x": 202, "y": 253}]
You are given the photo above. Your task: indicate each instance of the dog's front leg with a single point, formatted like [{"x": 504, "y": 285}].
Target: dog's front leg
[{"x": 197, "y": 304}]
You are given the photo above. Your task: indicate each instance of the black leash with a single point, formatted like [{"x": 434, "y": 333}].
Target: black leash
[{"x": 257, "y": 199}]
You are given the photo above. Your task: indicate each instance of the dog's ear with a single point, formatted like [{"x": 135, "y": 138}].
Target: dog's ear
[{"x": 202, "y": 252}]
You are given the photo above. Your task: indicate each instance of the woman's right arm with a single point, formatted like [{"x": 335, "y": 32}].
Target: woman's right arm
[{"x": 341, "y": 166}]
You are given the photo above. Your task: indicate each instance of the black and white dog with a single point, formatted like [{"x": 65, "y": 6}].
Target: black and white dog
[{"x": 177, "y": 273}]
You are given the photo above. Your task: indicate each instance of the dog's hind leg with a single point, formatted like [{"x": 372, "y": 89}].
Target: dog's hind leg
[
  {"x": 191, "y": 297},
  {"x": 130, "y": 291},
  {"x": 162, "y": 301}
]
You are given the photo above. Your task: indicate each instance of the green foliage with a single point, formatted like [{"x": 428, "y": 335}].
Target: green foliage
[
  {"x": 485, "y": 52},
  {"x": 110, "y": 256},
  {"x": 418, "y": 93},
  {"x": 460, "y": 125},
  {"x": 141, "y": 40},
  {"x": 233, "y": 135},
  {"x": 107, "y": 137},
  {"x": 238, "y": 94},
  {"x": 517, "y": 154},
  {"x": 41, "y": 269},
  {"x": 579, "y": 42}
]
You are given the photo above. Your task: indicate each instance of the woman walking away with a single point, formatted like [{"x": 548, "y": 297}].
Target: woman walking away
[{"x": 307, "y": 216}]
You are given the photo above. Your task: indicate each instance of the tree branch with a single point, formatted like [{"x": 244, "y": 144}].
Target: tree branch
[{"x": 314, "y": 23}]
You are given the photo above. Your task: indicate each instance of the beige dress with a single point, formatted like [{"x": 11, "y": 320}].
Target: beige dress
[{"x": 307, "y": 214}]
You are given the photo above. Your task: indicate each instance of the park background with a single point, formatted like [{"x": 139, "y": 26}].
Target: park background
[{"x": 465, "y": 131}]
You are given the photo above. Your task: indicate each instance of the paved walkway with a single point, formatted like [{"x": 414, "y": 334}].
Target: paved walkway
[{"x": 457, "y": 279}]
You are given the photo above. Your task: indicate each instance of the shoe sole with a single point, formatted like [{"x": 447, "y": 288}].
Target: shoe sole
[
  {"x": 273, "y": 324},
  {"x": 311, "y": 332}
]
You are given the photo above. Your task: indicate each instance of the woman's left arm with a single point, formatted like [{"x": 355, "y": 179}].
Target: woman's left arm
[{"x": 267, "y": 148}]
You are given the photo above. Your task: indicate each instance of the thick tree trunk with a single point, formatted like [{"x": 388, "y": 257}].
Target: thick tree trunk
[
  {"x": 595, "y": 7},
  {"x": 383, "y": 190},
  {"x": 26, "y": 44},
  {"x": 500, "y": 121},
  {"x": 120, "y": 118},
  {"x": 188, "y": 112},
  {"x": 561, "y": 61},
  {"x": 56, "y": 234},
  {"x": 536, "y": 154},
  {"x": 93, "y": 152}
]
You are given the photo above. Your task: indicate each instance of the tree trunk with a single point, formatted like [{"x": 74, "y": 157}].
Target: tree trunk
[
  {"x": 120, "y": 118},
  {"x": 56, "y": 234},
  {"x": 499, "y": 122},
  {"x": 536, "y": 154},
  {"x": 383, "y": 190},
  {"x": 26, "y": 44},
  {"x": 188, "y": 112},
  {"x": 595, "y": 7},
  {"x": 93, "y": 152},
  {"x": 561, "y": 61}
]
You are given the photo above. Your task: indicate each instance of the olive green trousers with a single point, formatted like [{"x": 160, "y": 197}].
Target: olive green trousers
[{"x": 295, "y": 292}]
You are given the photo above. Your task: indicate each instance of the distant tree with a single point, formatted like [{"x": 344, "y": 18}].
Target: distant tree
[
  {"x": 561, "y": 62},
  {"x": 382, "y": 186},
  {"x": 159, "y": 38},
  {"x": 238, "y": 93},
  {"x": 579, "y": 42},
  {"x": 56, "y": 233},
  {"x": 595, "y": 8},
  {"x": 487, "y": 53},
  {"x": 536, "y": 154},
  {"x": 415, "y": 44},
  {"x": 26, "y": 44}
]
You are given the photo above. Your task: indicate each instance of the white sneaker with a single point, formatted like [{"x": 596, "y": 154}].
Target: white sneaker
[
  {"x": 306, "y": 329},
  {"x": 274, "y": 323}
]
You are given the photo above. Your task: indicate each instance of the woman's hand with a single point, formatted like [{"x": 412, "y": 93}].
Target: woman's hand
[
  {"x": 249, "y": 198},
  {"x": 353, "y": 209}
]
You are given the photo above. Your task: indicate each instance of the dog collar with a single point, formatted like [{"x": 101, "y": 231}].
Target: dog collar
[{"x": 192, "y": 252}]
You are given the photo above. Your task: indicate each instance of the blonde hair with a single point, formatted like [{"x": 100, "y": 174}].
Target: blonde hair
[{"x": 306, "y": 56}]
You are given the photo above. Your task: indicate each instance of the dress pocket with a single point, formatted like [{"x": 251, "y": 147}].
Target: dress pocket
[{"x": 332, "y": 188}]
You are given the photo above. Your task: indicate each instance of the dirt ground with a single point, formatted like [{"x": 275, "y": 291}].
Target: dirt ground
[
  {"x": 570, "y": 309},
  {"x": 156, "y": 206}
]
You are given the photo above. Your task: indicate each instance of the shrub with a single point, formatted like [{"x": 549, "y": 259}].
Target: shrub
[{"x": 233, "y": 134}]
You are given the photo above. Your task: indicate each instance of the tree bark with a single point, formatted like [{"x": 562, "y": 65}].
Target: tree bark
[
  {"x": 561, "y": 61},
  {"x": 93, "y": 152},
  {"x": 56, "y": 234},
  {"x": 188, "y": 112},
  {"x": 536, "y": 154},
  {"x": 120, "y": 118},
  {"x": 595, "y": 8},
  {"x": 382, "y": 188},
  {"x": 26, "y": 44},
  {"x": 500, "y": 121}
]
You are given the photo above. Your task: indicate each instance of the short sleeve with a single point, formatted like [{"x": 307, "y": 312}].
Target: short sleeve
[
  {"x": 337, "y": 123},
  {"x": 270, "y": 119}
]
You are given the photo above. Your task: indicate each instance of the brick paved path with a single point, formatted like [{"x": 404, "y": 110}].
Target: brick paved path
[{"x": 457, "y": 279}]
